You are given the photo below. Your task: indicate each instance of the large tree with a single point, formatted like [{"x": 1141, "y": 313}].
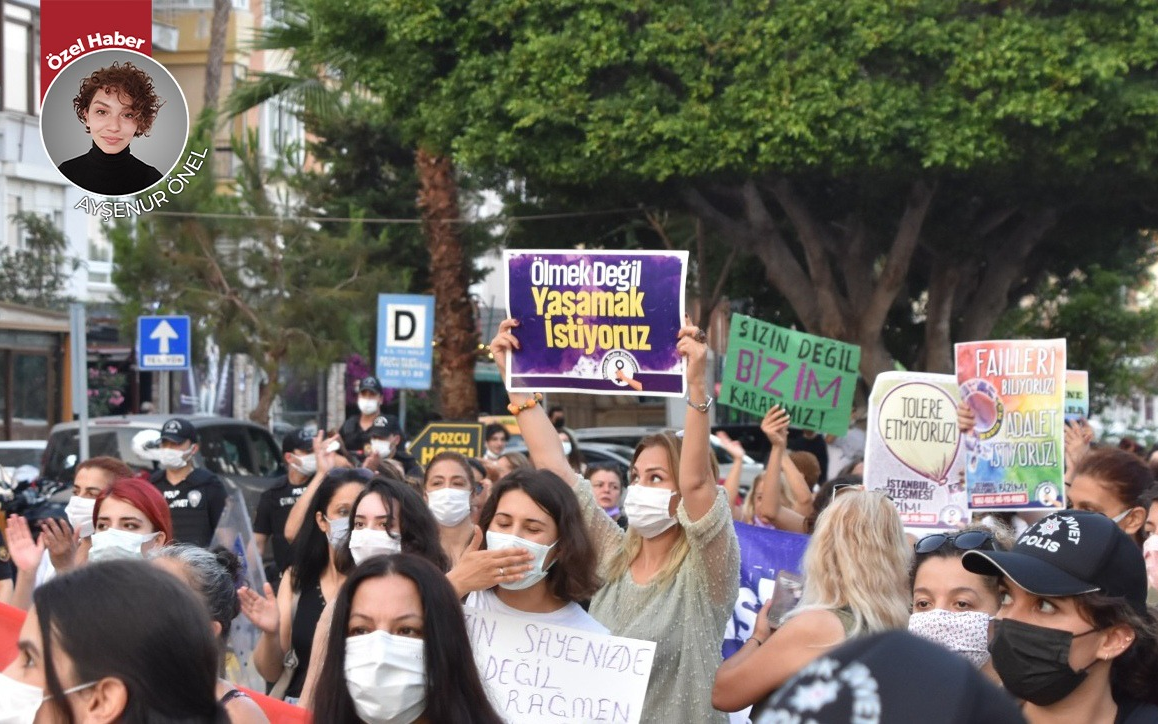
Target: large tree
[
  {"x": 36, "y": 272},
  {"x": 251, "y": 272},
  {"x": 928, "y": 159}
]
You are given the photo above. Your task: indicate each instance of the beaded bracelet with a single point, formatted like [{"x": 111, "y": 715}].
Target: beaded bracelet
[{"x": 527, "y": 404}]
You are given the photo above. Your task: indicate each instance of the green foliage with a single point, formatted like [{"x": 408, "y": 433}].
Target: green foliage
[
  {"x": 261, "y": 281},
  {"x": 1108, "y": 332},
  {"x": 37, "y": 273}
]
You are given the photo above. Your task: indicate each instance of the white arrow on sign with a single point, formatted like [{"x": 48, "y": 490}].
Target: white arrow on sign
[{"x": 163, "y": 333}]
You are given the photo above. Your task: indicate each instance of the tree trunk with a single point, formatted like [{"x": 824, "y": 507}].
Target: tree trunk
[
  {"x": 456, "y": 333},
  {"x": 218, "y": 29},
  {"x": 942, "y": 290}
]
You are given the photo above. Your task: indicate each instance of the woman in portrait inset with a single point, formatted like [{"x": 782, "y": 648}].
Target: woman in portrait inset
[{"x": 116, "y": 104}]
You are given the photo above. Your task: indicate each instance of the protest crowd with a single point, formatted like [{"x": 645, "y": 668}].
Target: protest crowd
[{"x": 950, "y": 552}]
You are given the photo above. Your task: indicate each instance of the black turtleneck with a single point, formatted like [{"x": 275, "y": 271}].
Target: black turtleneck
[{"x": 115, "y": 174}]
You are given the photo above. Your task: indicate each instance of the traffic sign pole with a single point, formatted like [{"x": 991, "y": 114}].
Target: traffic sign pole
[{"x": 78, "y": 345}]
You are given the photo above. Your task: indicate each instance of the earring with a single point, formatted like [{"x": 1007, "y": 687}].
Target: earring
[{"x": 86, "y": 128}]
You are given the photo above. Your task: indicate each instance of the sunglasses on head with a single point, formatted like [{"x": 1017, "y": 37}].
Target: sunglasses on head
[
  {"x": 842, "y": 488},
  {"x": 970, "y": 540}
]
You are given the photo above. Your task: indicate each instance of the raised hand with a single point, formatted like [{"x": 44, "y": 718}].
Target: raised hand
[
  {"x": 692, "y": 345},
  {"x": 61, "y": 542},
  {"x": 26, "y": 553},
  {"x": 775, "y": 426},
  {"x": 504, "y": 341},
  {"x": 261, "y": 610},
  {"x": 966, "y": 419},
  {"x": 734, "y": 447}
]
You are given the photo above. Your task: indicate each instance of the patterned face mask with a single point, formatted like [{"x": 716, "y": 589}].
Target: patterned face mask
[{"x": 965, "y": 632}]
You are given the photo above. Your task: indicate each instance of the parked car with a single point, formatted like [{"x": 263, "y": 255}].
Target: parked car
[
  {"x": 628, "y": 437},
  {"x": 243, "y": 453},
  {"x": 595, "y": 452},
  {"x": 18, "y": 453}
]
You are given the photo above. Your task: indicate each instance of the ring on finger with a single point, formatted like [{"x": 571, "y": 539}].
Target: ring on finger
[
  {"x": 700, "y": 336},
  {"x": 501, "y": 572}
]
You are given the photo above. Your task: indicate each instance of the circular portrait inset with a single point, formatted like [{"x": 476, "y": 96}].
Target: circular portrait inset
[{"x": 114, "y": 122}]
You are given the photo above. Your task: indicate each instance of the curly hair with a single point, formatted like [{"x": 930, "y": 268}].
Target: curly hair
[{"x": 126, "y": 80}]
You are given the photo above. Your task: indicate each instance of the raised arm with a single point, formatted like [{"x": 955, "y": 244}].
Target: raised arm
[
  {"x": 697, "y": 484},
  {"x": 775, "y": 428},
  {"x": 735, "y": 474},
  {"x": 799, "y": 486},
  {"x": 540, "y": 435},
  {"x": 326, "y": 461}
]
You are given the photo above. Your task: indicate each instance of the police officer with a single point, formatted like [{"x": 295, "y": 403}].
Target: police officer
[
  {"x": 386, "y": 444},
  {"x": 355, "y": 430},
  {"x": 196, "y": 497},
  {"x": 274, "y": 505}
]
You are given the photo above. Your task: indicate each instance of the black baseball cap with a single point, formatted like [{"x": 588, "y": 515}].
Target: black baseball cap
[
  {"x": 178, "y": 430},
  {"x": 889, "y": 678},
  {"x": 370, "y": 383},
  {"x": 1067, "y": 554},
  {"x": 298, "y": 439},
  {"x": 385, "y": 426}
]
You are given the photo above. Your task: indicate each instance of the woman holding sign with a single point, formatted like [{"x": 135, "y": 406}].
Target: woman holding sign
[
  {"x": 673, "y": 576},
  {"x": 399, "y": 650}
]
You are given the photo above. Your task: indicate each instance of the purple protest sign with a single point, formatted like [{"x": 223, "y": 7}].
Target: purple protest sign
[{"x": 601, "y": 322}]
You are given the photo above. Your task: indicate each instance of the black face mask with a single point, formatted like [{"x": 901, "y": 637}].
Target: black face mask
[{"x": 1034, "y": 662}]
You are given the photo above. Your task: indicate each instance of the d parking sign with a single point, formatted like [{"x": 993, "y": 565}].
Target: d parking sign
[{"x": 405, "y": 358}]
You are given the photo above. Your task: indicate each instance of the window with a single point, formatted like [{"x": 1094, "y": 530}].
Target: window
[
  {"x": 226, "y": 451},
  {"x": 21, "y": 69},
  {"x": 265, "y": 455}
]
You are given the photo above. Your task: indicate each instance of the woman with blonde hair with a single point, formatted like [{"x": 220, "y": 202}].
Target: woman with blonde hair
[
  {"x": 673, "y": 576},
  {"x": 856, "y": 582}
]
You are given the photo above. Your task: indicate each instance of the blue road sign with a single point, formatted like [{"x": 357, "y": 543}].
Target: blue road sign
[
  {"x": 163, "y": 343},
  {"x": 405, "y": 359}
]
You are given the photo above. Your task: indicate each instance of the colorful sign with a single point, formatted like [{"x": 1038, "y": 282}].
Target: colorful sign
[
  {"x": 602, "y": 322},
  {"x": 464, "y": 438},
  {"x": 913, "y": 448},
  {"x": 1016, "y": 389},
  {"x": 764, "y": 553},
  {"x": 537, "y": 673},
  {"x": 1077, "y": 405},
  {"x": 813, "y": 378}
]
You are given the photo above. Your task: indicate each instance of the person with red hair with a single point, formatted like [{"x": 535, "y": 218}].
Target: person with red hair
[{"x": 130, "y": 518}]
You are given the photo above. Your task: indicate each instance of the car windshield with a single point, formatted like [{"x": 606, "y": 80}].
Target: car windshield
[{"x": 15, "y": 457}]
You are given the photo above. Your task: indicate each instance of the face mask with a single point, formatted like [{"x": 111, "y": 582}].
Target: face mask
[
  {"x": 1034, "y": 662},
  {"x": 386, "y": 677},
  {"x": 450, "y": 506},
  {"x": 382, "y": 448},
  {"x": 306, "y": 464},
  {"x": 1150, "y": 553},
  {"x": 367, "y": 406},
  {"x": 365, "y": 543},
  {"x": 19, "y": 702},
  {"x": 965, "y": 632},
  {"x": 497, "y": 541},
  {"x": 566, "y": 447},
  {"x": 171, "y": 459},
  {"x": 113, "y": 544},
  {"x": 339, "y": 527},
  {"x": 646, "y": 510},
  {"x": 79, "y": 511}
]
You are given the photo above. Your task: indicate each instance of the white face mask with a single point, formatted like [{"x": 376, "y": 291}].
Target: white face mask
[
  {"x": 367, "y": 405},
  {"x": 79, "y": 512},
  {"x": 365, "y": 543},
  {"x": 113, "y": 544},
  {"x": 339, "y": 527},
  {"x": 19, "y": 702},
  {"x": 497, "y": 541},
  {"x": 965, "y": 632},
  {"x": 450, "y": 506},
  {"x": 566, "y": 447},
  {"x": 382, "y": 448},
  {"x": 647, "y": 510},
  {"x": 386, "y": 677},
  {"x": 172, "y": 459},
  {"x": 306, "y": 464}
]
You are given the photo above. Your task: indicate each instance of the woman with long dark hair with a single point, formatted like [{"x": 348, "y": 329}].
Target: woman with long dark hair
[
  {"x": 115, "y": 642},
  {"x": 388, "y": 517},
  {"x": 399, "y": 650},
  {"x": 288, "y": 621}
]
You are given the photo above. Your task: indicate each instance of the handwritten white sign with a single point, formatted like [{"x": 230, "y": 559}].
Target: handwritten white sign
[{"x": 541, "y": 673}]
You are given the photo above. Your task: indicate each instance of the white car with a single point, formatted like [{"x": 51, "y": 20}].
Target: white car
[{"x": 18, "y": 453}]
